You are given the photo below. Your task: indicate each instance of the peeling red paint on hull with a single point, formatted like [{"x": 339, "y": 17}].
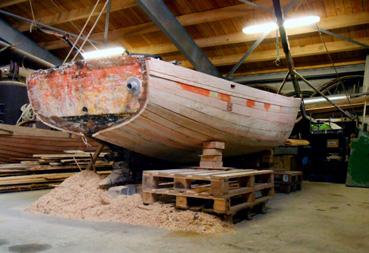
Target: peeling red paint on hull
[{"x": 87, "y": 97}]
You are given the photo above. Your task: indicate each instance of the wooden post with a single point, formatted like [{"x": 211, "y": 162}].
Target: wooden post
[
  {"x": 148, "y": 198},
  {"x": 365, "y": 88},
  {"x": 92, "y": 162},
  {"x": 181, "y": 202}
]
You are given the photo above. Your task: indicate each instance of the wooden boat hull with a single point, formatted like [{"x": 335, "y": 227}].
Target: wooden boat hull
[
  {"x": 20, "y": 143},
  {"x": 179, "y": 109}
]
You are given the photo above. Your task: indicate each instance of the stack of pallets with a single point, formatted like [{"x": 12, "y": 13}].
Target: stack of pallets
[
  {"x": 223, "y": 192},
  {"x": 287, "y": 181},
  {"x": 47, "y": 171}
]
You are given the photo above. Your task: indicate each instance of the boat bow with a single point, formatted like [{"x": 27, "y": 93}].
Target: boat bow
[{"x": 89, "y": 96}]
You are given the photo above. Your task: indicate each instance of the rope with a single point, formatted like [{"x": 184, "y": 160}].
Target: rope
[
  {"x": 84, "y": 140},
  {"x": 27, "y": 114},
  {"x": 92, "y": 28},
  {"x": 80, "y": 34},
  {"x": 333, "y": 65},
  {"x": 327, "y": 51},
  {"x": 33, "y": 17}
]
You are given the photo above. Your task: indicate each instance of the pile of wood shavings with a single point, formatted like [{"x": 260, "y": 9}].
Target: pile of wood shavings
[{"x": 79, "y": 197}]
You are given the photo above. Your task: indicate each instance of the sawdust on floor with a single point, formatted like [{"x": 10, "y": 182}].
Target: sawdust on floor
[{"x": 79, "y": 197}]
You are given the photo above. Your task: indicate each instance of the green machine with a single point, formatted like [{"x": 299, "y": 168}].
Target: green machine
[{"x": 358, "y": 166}]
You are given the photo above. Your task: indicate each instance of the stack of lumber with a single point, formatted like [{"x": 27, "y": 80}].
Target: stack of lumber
[
  {"x": 19, "y": 143},
  {"x": 47, "y": 171},
  {"x": 212, "y": 155}
]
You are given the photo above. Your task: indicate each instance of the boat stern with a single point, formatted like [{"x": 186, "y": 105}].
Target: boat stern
[{"x": 89, "y": 96}]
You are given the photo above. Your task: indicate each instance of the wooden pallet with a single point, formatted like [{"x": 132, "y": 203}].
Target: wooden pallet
[
  {"x": 287, "y": 181},
  {"x": 223, "y": 192}
]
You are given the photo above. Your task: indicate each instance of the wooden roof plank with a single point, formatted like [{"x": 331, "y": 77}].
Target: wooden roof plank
[
  {"x": 299, "y": 51},
  {"x": 7, "y": 3},
  {"x": 76, "y": 14},
  {"x": 185, "y": 20},
  {"x": 328, "y": 23}
]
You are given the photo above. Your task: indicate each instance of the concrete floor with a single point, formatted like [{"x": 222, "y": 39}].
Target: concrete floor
[{"x": 321, "y": 218}]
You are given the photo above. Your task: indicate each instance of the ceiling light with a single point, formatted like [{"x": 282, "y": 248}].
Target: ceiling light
[
  {"x": 314, "y": 100},
  {"x": 288, "y": 23},
  {"x": 103, "y": 53},
  {"x": 301, "y": 21},
  {"x": 261, "y": 28}
]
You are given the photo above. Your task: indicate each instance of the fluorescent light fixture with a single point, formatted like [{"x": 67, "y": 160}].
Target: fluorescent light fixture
[
  {"x": 321, "y": 99},
  {"x": 288, "y": 23},
  {"x": 301, "y": 21},
  {"x": 261, "y": 28},
  {"x": 103, "y": 53}
]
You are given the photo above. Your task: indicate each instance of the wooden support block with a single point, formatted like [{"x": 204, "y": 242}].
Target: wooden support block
[
  {"x": 250, "y": 198},
  {"x": 221, "y": 206},
  {"x": 211, "y": 165},
  {"x": 251, "y": 182},
  {"x": 271, "y": 191},
  {"x": 271, "y": 180},
  {"x": 213, "y": 144},
  {"x": 181, "y": 183},
  {"x": 219, "y": 187},
  {"x": 148, "y": 182},
  {"x": 212, "y": 151},
  {"x": 148, "y": 198},
  {"x": 211, "y": 158},
  {"x": 181, "y": 202}
]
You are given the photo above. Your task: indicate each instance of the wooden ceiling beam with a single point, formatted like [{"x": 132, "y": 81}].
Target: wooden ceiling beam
[
  {"x": 77, "y": 14},
  {"x": 284, "y": 69},
  {"x": 299, "y": 51},
  {"x": 329, "y": 23},
  {"x": 7, "y": 3},
  {"x": 188, "y": 19},
  {"x": 185, "y": 20}
]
